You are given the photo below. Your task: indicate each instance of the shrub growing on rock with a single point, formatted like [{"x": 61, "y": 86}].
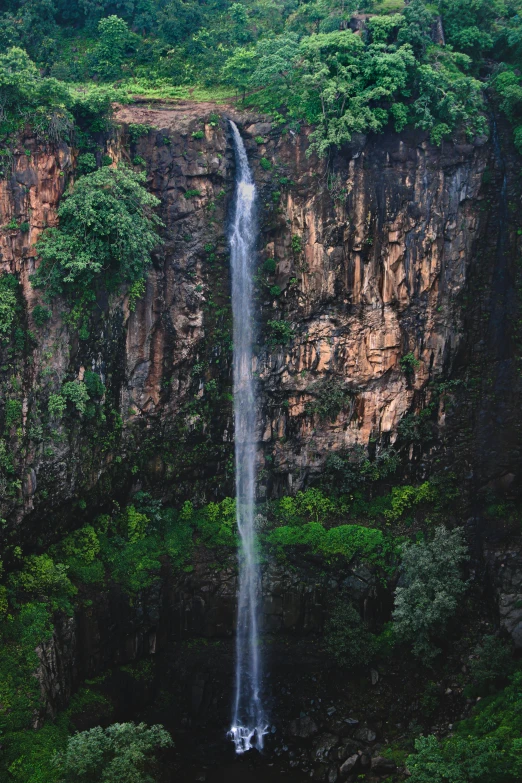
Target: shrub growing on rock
[
  {"x": 106, "y": 234},
  {"x": 432, "y": 587}
]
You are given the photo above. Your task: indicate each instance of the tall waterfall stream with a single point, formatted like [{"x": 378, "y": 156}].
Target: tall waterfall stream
[{"x": 248, "y": 722}]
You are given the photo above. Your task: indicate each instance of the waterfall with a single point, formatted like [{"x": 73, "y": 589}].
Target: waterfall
[{"x": 248, "y": 724}]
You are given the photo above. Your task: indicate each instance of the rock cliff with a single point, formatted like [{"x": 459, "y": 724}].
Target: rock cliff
[{"x": 392, "y": 274}]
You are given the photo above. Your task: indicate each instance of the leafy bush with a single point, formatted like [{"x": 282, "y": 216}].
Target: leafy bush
[
  {"x": 107, "y": 232},
  {"x": 76, "y": 392},
  {"x": 86, "y": 164},
  {"x": 192, "y": 193},
  {"x": 8, "y": 302},
  {"x": 280, "y": 332},
  {"x": 492, "y": 664},
  {"x": 486, "y": 748},
  {"x": 432, "y": 587},
  {"x": 121, "y": 753},
  {"x": 56, "y": 406},
  {"x": 114, "y": 40},
  {"x": 330, "y": 399},
  {"x": 23, "y": 88},
  {"x": 409, "y": 363},
  {"x": 137, "y": 130},
  {"x": 347, "y": 637},
  {"x": 198, "y": 134},
  {"x": 13, "y": 413},
  {"x": 347, "y": 541},
  {"x": 41, "y": 315},
  {"x": 406, "y": 497},
  {"x": 45, "y": 580},
  {"x": 269, "y": 266},
  {"x": 265, "y": 164}
]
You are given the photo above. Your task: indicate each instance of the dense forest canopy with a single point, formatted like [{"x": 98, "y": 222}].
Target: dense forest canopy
[{"x": 343, "y": 66}]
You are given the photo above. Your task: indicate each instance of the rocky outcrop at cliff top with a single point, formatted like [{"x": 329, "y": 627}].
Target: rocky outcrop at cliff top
[{"x": 376, "y": 253}]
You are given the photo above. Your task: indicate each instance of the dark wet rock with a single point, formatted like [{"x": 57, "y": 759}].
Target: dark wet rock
[
  {"x": 382, "y": 766},
  {"x": 350, "y": 764},
  {"x": 366, "y": 734},
  {"x": 304, "y": 728}
]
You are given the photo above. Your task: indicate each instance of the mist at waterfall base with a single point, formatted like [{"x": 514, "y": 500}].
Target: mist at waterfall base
[{"x": 248, "y": 722}]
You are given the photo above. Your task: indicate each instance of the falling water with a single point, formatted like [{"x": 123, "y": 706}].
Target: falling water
[{"x": 248, "y": 724}]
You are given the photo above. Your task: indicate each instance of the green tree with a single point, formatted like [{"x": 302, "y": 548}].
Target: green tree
[
  {"x": 23, "y": 88},
  {"x": 115, "y": 39},
  {"x": 106, "y": 233},
  {"x": 432, "y": 587},
  {"x": 121, "y": 753},
  {"x": 237, "y": 70}
]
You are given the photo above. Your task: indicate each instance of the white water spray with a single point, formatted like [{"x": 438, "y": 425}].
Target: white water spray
[{"x": 248, "y": 722}]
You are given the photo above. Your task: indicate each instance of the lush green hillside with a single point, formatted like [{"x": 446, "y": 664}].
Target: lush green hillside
[{"x": 299, "y": 61}]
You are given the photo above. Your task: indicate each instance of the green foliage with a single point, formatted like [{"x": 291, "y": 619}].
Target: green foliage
[
  {"x": 41, "y": 315},
  {"x": 106, "y": 234},
  {"x": 432, "y": 585},
  {"x": 347, "y": 637},
  {"x": 491, "y": 664},
  {"x": 192, "y": 193},
  {"x": 265, "y": 164},
  {"x": 199, "y": 134},
  {"x": 346, "y": 541},
  {"x": 121, "y": 753},
  {"x": 136, "y": 291},
  {"x": 310, "y": 503},
  {"x": 269, "y": 266},
  {"x": 330, "y": 399},
  {"x": 56, "y": 406},
  {"x": 215, "y": 524},
  {"x": 13, "y": 413},
  {"x": 114, "y": 40},
  {"x": 137, "y": 130},
  {"x": 279, "y": 333},
  {"x": 19, "y": 690},
  {"x": 8, "y": 302},
  {"x": 76, "y": 392},
  {"x": 297, "y": 244},
  {"x": 23, "y": 88},
  {"x": 43, "y": 579},
  {"x": 409, "y": 363},
  {"x": 346, "y": 471},
  {"x": 275, "y": 291},
  {"x": 86, "y": 164},
  {"x": 485, "y": 748},
  {"x": 406, "y": 497},
  {"x": 93, "y": 384}
]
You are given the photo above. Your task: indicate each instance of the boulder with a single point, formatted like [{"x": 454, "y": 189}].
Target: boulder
[
  {"x": 324, "y": 744},
  {"x": 382, "y": 766},
  {"x": 365, "y": 734},
  {"x": 304, "y": 728},
  {"x": 349, "y": 765}
]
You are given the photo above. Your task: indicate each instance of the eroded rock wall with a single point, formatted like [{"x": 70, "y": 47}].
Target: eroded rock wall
[{"x": 387, "y": 249}]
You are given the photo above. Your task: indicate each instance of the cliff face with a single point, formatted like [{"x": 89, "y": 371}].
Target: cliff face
[
  {"x": 391, "y": 249},
  {"x": 388, "y": 324}
]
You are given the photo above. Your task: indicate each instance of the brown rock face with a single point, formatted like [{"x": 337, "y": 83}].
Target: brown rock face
[
  {"x": 384, "y": 248},
  {"x": 386, "y": 251}
]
